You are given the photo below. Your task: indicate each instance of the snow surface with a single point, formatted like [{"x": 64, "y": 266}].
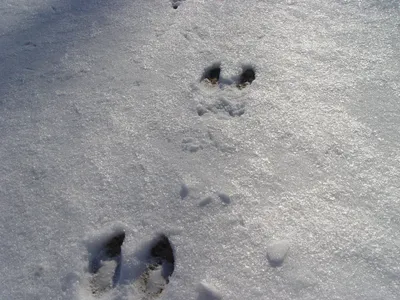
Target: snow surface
[{"x": 105, "y": 125}]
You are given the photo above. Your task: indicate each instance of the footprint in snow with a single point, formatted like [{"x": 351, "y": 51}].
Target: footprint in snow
[
  {"x": 212, "y": 76},
  {"x": 247, "y": 77},
  {"x": 222, "y": 106},
  {"x": 176, "y": 3},
  {"x": 105, "y": 264},
  {"x": 160, "y": 264},
  {"x": 105, "y": 261}
]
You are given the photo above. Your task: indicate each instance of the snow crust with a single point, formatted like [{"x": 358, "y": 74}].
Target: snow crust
[{"x": 105, "y": 125}]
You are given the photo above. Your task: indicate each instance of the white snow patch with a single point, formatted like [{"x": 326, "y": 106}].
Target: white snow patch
[
  {"x": 277, "y": 251},
  {"x": 103, "y": 117}
]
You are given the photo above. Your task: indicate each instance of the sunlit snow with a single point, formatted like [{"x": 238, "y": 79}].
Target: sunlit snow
[{"x": 282, "y": 182}]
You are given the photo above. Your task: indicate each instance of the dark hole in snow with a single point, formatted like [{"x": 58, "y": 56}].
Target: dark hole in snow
[
  {"x": 113, "y": 246},
  {"x": 107, "y": 251},
  {"x": 248, "y": 75},
  {"x": 212, "y": 73},
  {"x": 175, "y": 3},
  {"x": 162, "y": 249},
  {"x": 201, "y": 110},
  {"x": 163, "y": 255}
]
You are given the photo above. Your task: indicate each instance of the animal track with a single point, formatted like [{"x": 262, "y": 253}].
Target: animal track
[
  {"x": 212, "y": 75},
  {"x": 176, "y": 3},
  {"x": 105, "y": 262},
  {"x": 222, "y": 105},
  {"x": 207, "y": 140},
  {"x": 247, "y": 77},
  {"x": 160, "y": 266}
]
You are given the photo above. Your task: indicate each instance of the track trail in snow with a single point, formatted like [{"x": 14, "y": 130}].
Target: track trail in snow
[
  {"x": 107, "y": 271},
  {"x": 261, "y": 137}
]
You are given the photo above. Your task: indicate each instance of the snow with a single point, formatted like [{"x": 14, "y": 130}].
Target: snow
[
  {"x": 277, "y": 251},
  {"x": 207, "y": 292},
  {"x": 106, "y": 126}
]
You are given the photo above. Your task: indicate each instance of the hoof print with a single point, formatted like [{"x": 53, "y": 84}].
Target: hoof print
[
  {"x": 105, "y": 264},
  {"x": 162, "y": 250},
  {"x": 113, "y": 246},
  {"x": 160, "y": 266}
]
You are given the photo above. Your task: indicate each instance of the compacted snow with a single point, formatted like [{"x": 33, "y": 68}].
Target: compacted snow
[{"x": 115, "y": 151}]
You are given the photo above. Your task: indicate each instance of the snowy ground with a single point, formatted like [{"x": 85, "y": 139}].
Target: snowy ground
[{"x": 295, "y": 197}]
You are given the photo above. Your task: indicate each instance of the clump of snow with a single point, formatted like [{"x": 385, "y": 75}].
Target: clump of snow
[{"x": 277, "y": 251}]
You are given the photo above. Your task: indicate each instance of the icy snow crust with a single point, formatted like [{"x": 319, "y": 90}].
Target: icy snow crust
[{"x": 100, "y": 131}]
